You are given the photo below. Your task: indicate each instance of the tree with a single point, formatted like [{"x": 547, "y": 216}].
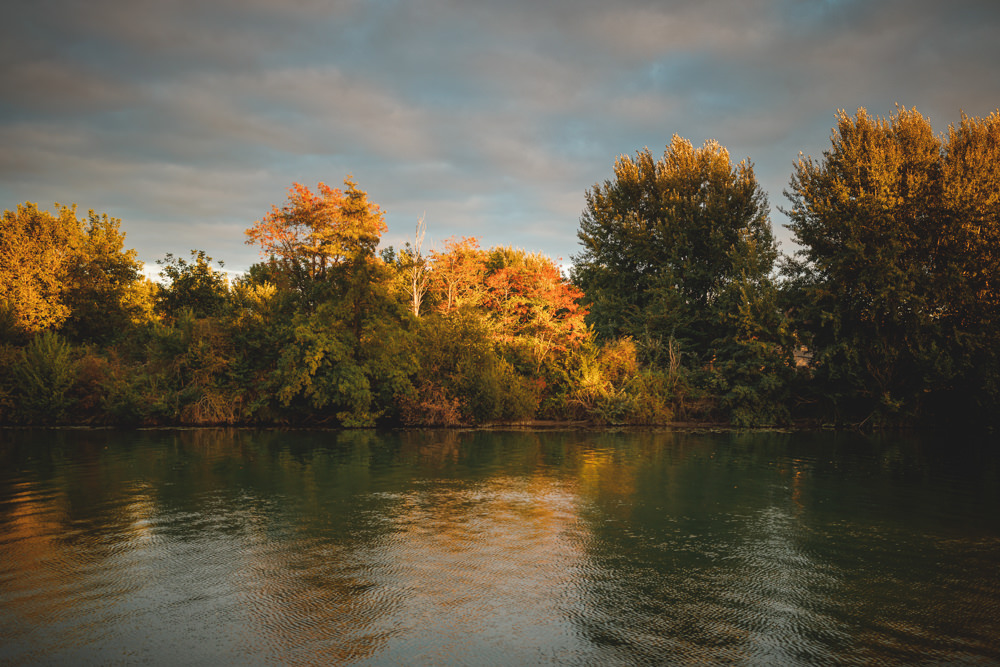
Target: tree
[
  {"x": 865, "y": 217},
  {"x": 529, "y": 303},
  {"x": 896, "y": 279},
  {"x": 338, "y": 361},
  {"x": 193, "y": 285},
  {"x": 663, "y": 241},
  {"x": 59, "y": 271},
  {"x": 105, "y": 290},
  {"x": 312, "y": 233},
  {"x": 971, "y": 202},
  {"x": 417, "y": 268},
  {"x": 35, "y": 249},
  {"x": 457, "y": 274}
]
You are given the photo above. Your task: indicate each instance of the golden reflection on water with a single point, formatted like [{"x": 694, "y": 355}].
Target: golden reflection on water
[
  {"x": 140, "y": 512},
  {"x": 32, "y": 530},
  {"x": 452, "y": 561},
  {"x": 499, "y": 556}
]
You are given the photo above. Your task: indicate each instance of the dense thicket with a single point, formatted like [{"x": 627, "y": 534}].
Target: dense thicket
[
  {"x": 323, "y": 330},
  {"x": 886, "y": 315}
]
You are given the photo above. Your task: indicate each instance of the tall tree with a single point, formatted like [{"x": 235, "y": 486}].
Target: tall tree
[
  {"x": 897, "y": 272},
  {"x": 341, "y": 360},
  {"x": 971, "y": 201},
  {"x": 105, "y": 293},
  {"x": 971, "y": 194},
  {"x": 664, "y": 239}
]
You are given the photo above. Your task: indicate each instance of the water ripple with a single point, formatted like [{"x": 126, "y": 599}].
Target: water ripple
[{"x": 204, "y": 549}]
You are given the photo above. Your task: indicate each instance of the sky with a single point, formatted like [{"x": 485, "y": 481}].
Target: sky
[{"x": 188, "y": 119}]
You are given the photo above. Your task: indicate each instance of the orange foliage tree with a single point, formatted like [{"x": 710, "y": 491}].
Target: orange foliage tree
[
  {"x": 35, "y": 251},
  {"x": 522, "y": 295},
  {"x": 528, "y": 300},
  {"x": 457, "y": 274},
  {"x": 313, "y": 232},
  {"x": 61, "y": 272}
]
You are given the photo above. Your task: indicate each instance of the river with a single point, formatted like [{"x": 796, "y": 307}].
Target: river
[{"x": 203, "y": 546}]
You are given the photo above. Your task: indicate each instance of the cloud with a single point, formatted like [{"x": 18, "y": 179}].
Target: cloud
[{"x": 189, "y": 119}]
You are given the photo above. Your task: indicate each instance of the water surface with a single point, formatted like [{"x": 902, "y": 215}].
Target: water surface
[{"x": 429, "y": 547}]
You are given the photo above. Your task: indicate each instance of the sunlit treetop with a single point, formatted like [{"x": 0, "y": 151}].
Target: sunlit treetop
[{"x": 314, "y": 231}]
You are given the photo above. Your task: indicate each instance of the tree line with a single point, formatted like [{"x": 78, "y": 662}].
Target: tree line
[{"x": 678, "y": 307}]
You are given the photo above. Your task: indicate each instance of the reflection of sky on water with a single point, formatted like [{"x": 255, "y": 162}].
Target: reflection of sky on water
[
  {"x": 480, "y": 571},
  {"x": 439, "y": 548}
]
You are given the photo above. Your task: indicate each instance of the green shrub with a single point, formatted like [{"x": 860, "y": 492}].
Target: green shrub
[{"x": 45, "y": 374}]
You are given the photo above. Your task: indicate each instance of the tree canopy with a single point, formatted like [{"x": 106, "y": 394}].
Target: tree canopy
[
  {"x": 896, "y": 277},
  {"x": 194, "y": 285},
  {"x": 886, "y": 315},
  {"x": 313, "y": 232},
  {"x": 61, "y": 271},
  {"x": 662, "y": 241}
]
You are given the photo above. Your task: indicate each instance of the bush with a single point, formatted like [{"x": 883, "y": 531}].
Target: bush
[
  {"x": 458, "y": 362},
  {"x": 45, "y": 375}
]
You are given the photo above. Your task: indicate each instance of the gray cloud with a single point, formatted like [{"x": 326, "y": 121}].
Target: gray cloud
[{"x": 189, "y": 119}]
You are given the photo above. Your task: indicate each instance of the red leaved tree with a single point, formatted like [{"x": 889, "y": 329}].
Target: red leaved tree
[{"x": 527, "y": 299}]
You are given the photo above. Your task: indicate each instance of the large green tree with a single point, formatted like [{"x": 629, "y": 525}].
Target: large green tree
[
  {"x": 340, "y": 358},
  {"x": 667, "y": 238},
  {"x": 971, "y": 315},
  {"x": 896, "y": 278}
]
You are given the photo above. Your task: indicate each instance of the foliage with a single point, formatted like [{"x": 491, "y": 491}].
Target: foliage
[
  {"x": 105, "y": 295},
  {"x": 527, "y": 299},
  {"x": 970, "y": 317},
  {"x": 530, "y": 313},
  {"x": 457, "y": 274},
  {"x": 194, "y": 286},
  {"x": 753, "y": 369},
  {"x": 664, "y": 239},
  {"x": 35, "y": 251},
  {"x": 887, "y": 314},
  {"x": 896, "y": 279},
  {"x": 60, "y": 272},
  {"x": 610, "y": 386},
  {"x": 312, "y": 233},
  {"x": 677, "y": 256},
  {"x": 459, "y": 366},
  {"x": 10, "y": 357},
  {"x": 44, "y": 377}
]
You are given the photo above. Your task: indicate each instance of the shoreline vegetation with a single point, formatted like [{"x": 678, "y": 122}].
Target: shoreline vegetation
[
  {"x": 530, "y": 426},
  {"x": 678, "y": 310}
]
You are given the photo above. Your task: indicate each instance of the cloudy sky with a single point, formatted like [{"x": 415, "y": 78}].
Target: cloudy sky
[{"x": 189, "y": 119}]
